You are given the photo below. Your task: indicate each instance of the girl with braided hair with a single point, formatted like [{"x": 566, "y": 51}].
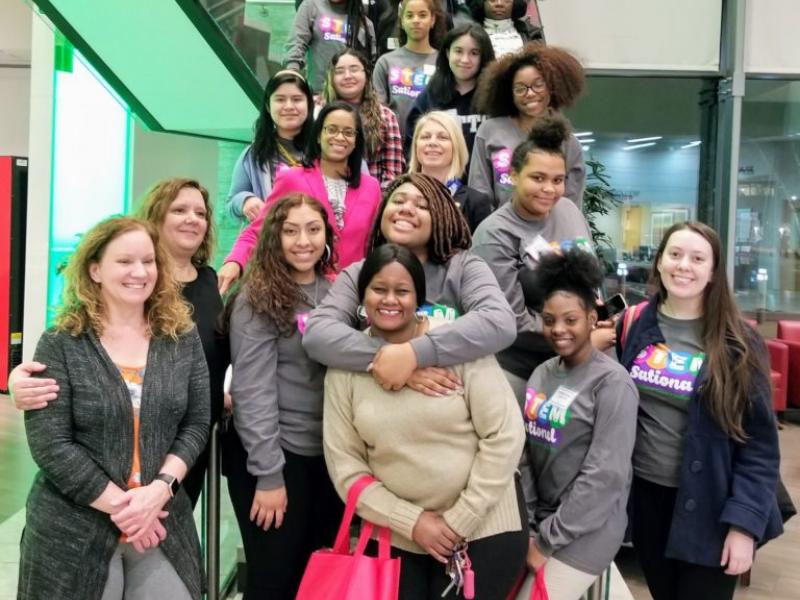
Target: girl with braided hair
[
  {"x": 418, "y": 213},
  {"x": 514, "y": 93},
  {"x": 580, "y": 420},
  {"x": 349, "y": 78}
]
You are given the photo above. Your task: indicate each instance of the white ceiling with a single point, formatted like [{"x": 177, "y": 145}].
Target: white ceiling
[{"x": 15, "y": 33}]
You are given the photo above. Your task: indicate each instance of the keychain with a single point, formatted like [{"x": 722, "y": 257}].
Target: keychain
[{"x": 459, "y": 569}]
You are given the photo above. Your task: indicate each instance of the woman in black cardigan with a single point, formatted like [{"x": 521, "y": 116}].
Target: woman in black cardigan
[{"x": 131, "y": 417}]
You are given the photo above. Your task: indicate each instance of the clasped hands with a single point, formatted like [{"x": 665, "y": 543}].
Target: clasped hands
[
  {"x": 139, "y": 513},
  {"x": 395, "y": 366}
]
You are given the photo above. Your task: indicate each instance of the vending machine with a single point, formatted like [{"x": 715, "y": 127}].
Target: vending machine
[{"x": 13, "y": 211}]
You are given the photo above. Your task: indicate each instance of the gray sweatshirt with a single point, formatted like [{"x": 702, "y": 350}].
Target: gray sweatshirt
[
  {"x": 320, "y": 31},
  {"x": 490, "y": 165},
  {"x": 399, "y": 77},
  {"x": 464, "y": 288},
  {"x": 510, "y": 244},
  {"x": 277, "y": 388},
  {"x": 581, "y": 427}
]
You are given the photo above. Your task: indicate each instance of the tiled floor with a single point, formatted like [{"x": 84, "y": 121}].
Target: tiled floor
[{"x": 775, "y": 576}]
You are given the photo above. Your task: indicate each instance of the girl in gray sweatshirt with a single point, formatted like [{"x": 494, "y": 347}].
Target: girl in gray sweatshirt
[
  {"x": 580, "y": 420},
  {"x": 321, "y": 29},
  {"x": 284, "y": 501}
]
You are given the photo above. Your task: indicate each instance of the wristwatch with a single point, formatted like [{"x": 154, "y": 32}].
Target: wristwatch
[{"x": 172, "y": 483}]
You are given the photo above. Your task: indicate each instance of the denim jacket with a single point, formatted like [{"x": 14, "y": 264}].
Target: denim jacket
[{"x": 723, "y": 483}]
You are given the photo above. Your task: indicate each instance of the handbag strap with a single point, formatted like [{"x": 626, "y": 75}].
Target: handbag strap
[
  {"x": 342, "y": 543},
  {"x": 384, "y": 540},
  {"x": 631, "y": 314}
]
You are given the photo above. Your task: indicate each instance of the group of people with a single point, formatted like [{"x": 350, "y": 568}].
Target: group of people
[{"x": 436, "y": 329}]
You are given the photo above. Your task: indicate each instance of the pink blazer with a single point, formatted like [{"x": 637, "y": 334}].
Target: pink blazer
[{"x": 361, "y": 205}]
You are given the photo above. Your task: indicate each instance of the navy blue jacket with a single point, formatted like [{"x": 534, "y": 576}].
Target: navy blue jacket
[{"x": 723, "y": 483}]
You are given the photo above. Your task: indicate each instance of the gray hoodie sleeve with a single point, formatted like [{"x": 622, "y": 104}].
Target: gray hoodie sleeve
[
  {"x": 254, "y": 359},
  {"x": 300, "y": 39},
  {"x": 605, "y": 473},
  {"x": 480, "y": 171},
  {"x": 486, "y": 327},
  {"x": 332, "y": 336},
  {"x": 380, "y": 80},
  {"x": 576, "y": 171}
]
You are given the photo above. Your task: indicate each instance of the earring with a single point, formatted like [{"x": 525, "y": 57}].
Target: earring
[
  {"x": 361, "y": 312},
  {"x": 420, "y": 316},
  {"x": 327, "y": 254}
]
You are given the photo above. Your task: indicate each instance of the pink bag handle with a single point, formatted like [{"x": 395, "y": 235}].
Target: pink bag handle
[{"x": 342, "y": 543}]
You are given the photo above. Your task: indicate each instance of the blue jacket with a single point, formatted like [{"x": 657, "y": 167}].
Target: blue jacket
[
  {"x": 247, "y": 180},
  {"x": 723, "y": 483}
]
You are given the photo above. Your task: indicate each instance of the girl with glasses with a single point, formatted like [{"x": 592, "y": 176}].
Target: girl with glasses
[
  {"x": 514, "y": 93},
  {"x": 349, "y": 78},
  {"x": 331, "y": 173}
]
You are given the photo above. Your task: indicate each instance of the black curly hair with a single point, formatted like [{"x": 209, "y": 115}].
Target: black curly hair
[
  {"x": 548, "y": 135},
  {"x": 576, "y": 271}
]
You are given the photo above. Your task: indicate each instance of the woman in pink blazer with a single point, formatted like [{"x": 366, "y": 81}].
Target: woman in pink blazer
[{"x": 331, "y": 173}]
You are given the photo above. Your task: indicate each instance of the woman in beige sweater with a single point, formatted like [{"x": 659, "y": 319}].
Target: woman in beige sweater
[{"x": 445, "y": 465}]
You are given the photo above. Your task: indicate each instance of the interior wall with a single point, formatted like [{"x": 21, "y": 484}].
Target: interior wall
[{"x": 15, "y": 98}]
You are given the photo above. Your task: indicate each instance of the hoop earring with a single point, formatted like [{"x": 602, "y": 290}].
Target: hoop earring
[
  {"x": 420, "y": 316},
  {"x": 326, "y": 256}
]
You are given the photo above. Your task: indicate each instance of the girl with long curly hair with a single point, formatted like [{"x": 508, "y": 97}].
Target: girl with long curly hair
[
  {"x": 284, "y": 501},
  {"x": 514, "y": 92},
  {"x": 130, "y": 418},
  {"x": 349, "y": 78}
]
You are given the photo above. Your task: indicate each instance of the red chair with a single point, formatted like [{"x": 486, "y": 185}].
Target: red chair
[
  {"x": 789, "y": 334},
  {"x": 779, "y": 369}
]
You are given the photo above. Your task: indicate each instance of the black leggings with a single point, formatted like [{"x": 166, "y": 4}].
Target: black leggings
[
  {"x": 497, "y": 561},
  {"x": 277, "y": 558},
  {"x": 669, "y": 578}
]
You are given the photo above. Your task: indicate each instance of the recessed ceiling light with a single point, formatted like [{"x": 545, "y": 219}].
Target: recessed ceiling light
[
  {"x": 645, "y": 139},
  {"x": 587, "y": 141},
  {"x": 636, "y": 146},
  {"x": 583, "y": 134},
  {"x": 692, "y": 144}
]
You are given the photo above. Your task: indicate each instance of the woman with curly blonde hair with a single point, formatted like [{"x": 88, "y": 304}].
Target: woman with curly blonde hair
[
  {"x": 274, "y": 458},
  {"x": 514, "y": 92},
  {"x": 130, "y": 418},
  {"x": 180, "y": 210}
]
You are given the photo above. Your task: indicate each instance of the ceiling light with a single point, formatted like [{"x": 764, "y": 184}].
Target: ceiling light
[
  {"x": 583, "y": 134},
  {"x": 638, "y": 146},
  {"x": 692, "y": 144},
  {"x": 585, "y": 148},
  {"x": 645, "y": 139},
  {"x": 589, "y": 141}
]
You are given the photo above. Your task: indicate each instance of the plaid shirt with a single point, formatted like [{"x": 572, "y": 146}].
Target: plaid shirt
[{"x": 390, "y": 161}]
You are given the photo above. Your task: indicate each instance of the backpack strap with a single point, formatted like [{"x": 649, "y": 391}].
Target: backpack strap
[{"x": 632, "y": 313}]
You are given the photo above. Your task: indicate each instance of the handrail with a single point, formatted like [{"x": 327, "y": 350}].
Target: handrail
[{"x": 211, "y": 503}]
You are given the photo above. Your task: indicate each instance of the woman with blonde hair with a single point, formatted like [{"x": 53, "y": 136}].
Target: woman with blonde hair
[
  {"x": 438, "y": 149},
  {"x": 106, "y": 515},
  {"x": 180, "y": 209}
]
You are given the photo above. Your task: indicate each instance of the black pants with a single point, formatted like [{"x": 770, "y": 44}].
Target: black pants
[
  {"x": 277, "y": 558},
  {"x": 668, "y": 578},
  {"x": 497, "y": 562}
]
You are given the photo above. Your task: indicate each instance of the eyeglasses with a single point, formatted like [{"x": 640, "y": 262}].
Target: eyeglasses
[
  {"x": 520, "y": 89},
  {"x": 334, "y": 130},
  {"x": 352, "y": 70}
]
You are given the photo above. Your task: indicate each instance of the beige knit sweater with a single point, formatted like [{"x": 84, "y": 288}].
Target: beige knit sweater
[{"x": 455, "y": 455}]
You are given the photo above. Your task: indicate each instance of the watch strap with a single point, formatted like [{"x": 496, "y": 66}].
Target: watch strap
[{"x": 172, "y": 482}]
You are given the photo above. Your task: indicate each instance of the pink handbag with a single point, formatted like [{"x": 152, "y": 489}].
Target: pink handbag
[
  {"x": 336, "y": 574},
  {"x": 538, "y": 587}
]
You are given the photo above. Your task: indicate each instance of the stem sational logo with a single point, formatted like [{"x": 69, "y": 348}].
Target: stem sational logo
[
  {"x": 546, "y": 417},
  {"x": 501, "y": 163},
  {"x": 405, "y": 81},
  {"x": 666, "y": 373},
  {"x": 302, "y": 320},
  {"x": 333, "y": 30},
  {"x": 440, "y": 311}
]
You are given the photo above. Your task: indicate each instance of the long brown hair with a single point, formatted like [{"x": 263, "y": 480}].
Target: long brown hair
[
  {"x": 155, "y": 205},
  {"x": 82, "y": 308},
  {"x": 731, "y": 364},
  {"x": 267, "y": 282},
  {"x": 449, "y": 231}
]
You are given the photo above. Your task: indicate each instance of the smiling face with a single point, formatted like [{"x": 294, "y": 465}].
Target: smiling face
[
  {"x": 464, "y": 57},
  {"x": 434, "y": 146},
  {"x": 337, "y": 139},
  {"x": 498, "y": 9},
  {"x": 531, "y": 96},
  {"x": 185, "y": 224},
  {"x": 539, "y": 185},
  {"x": 406, "y": 220},
  {"x": 567, "y": 325},
  {"x": 288, "y": 106},
  {"x": 390, "y": 300},
  {"x": 349, "y": 78},
  {"x": 127, "y": 270},
  {"x": 303, "y": 241},
  {"x": 417, "y": 20},
  {"x": 686, "y": 265}
]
